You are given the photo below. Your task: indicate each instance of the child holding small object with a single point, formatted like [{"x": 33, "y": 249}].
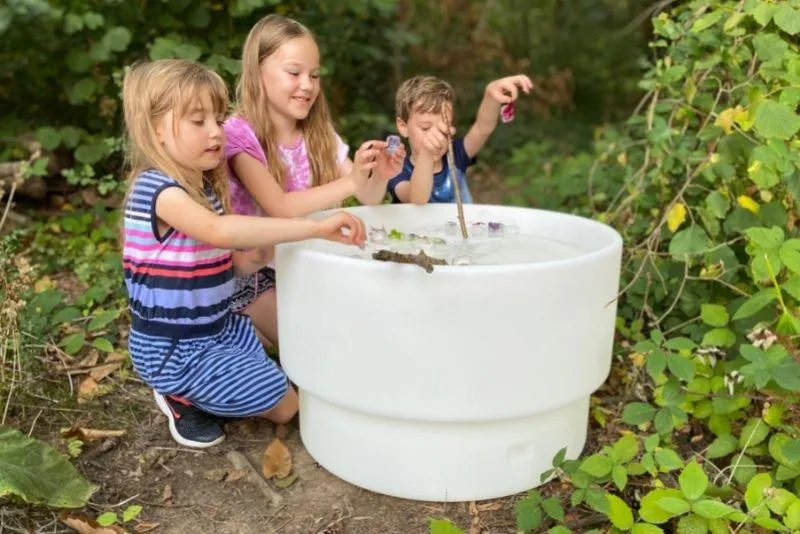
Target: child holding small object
[
  {"x": 181, "y": 248},
  {"x": 424, "y": 108},
  {"x": 284, "y": 157}
]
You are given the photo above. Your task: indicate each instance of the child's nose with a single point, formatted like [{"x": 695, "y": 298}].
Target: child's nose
[{"x": 216, "y": 129}]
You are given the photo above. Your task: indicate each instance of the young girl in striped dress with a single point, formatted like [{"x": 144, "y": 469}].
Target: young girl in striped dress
[{"x": 180, "y": 254}]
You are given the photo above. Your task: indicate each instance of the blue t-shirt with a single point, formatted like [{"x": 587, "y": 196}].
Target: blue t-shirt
[{"x": 443, "y": 190}]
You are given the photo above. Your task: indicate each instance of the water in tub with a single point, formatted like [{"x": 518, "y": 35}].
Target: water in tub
[{"x": 489, "y": 243}]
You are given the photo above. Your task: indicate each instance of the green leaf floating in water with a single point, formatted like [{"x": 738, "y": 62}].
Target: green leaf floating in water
[{"x": 38, "y": 474}]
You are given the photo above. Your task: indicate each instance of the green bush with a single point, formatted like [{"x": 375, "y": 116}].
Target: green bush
[{"x": 704, "y": 183}]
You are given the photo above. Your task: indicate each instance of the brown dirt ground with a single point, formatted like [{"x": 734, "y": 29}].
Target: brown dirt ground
[{"x": 146, "y": 465}]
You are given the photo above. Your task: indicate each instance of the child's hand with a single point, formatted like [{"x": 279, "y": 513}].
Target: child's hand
[
  {"x": 436, "y": 140},
  {"x": 504, "y": 90},
  {"x": 389, "y": 165},
  {"x": 342, "y": 228},
  {"x": 364, "y": 161}
]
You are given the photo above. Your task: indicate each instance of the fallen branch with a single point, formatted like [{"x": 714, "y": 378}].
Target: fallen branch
[
  {"x": 240, "y": 462},
  {"x": 421, "y": 259}
]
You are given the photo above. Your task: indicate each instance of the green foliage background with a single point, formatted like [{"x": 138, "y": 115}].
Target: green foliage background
[{"x": 682, "y": 133}]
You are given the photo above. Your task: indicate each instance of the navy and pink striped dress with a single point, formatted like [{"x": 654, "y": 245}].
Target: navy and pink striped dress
[{"x": 184, "y": 339}]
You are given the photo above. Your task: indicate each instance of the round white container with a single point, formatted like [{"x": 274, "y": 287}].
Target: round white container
[{"x": 457, "y": 385}]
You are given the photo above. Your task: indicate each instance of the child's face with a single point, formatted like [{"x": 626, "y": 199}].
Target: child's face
[
  {"x": 290, "y": 77},
  {"x": 194, "y": 140},
  {"x": 418, "y": 125}
]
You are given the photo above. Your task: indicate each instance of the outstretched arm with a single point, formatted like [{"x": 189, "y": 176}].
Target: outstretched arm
[
  {"x": 177, "y": 209},
  {"x": 498, "y": 92},
  {"x": 265, "y": 189}
]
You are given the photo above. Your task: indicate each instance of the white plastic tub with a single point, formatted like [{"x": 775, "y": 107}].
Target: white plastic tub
[{"x": 457, "y": 385}]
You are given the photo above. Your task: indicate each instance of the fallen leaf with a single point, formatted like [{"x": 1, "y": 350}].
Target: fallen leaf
[
  {"x": 116, "y": 357},
  {"x": 490, "y": 507},
  {"x": 285, "y": 482},
  {"x": 236, "y": 474},
  {"x": 87, "y": 390},
  {"x": 87, "y": 525},
  {"x": 166, "y": 496},
  {"x": 277, "y": 460},
  {"x": 102, "y": 371},
  {"x": 91, "y": 359},
  {"x": 216, "y": 475},
  {"x": 91, "y": 434},
  {"x": 141, "y": 528}
]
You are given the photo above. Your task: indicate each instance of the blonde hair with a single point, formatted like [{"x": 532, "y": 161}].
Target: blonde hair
[
  {"x": 423, "y": 94},
  {"x": 264, "y": 39},
  {"x": 150, "y": 91}
]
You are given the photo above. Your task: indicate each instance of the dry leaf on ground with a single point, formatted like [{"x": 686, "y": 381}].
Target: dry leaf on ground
[
  {"x": 102, "y": 371},
  {"x": 166, "y": 496},
  {"x": 277, "y": 460},
  {"x": 87, "y": 390},
  {"x": 90, "y": 434},
  {"x": 141, "y": 528},
  {"x": 225, "y": 475},
  {"x": 116, "y": 357},
  {"x": 490, "y": 507},
  {"x": 87, "y": 525}
]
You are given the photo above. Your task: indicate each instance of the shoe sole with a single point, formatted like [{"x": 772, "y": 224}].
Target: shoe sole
[{"x": 164, "y": 407}]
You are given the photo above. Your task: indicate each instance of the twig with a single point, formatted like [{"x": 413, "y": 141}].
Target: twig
[
  {"x": 421, "y": 259},
  {"x": 677, "y": 295},
  {"x": 451, "y": 163},
  {"x": 33, "y": 425},
  {"x": 120, "y": 503},
  {"x": 178, "y": 449},
  {"x": 8, "y": 203},
  {"x": 240, "y": 462}
]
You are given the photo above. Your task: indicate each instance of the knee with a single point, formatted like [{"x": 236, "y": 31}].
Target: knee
[{"x": 285, "y": 410}]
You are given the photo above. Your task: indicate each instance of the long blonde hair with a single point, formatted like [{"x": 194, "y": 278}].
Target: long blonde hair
[
  {"x": 150, "y": 91},
  {"x": 264, "y": 39}
]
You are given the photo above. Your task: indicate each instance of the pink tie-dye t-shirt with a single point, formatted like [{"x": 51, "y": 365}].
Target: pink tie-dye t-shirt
[{"x": 241, "y": 137}]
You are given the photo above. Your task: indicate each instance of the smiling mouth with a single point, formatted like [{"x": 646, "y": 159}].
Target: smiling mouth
[{"x": 302, "y": 99}]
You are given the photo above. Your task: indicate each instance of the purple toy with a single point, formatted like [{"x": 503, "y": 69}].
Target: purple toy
[{"x": 394, "y": 143}]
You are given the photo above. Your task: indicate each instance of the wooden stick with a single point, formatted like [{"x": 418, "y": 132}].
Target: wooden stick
[
  {"x": 452, "y": 164},
  {"x": 240, "y": 462}
]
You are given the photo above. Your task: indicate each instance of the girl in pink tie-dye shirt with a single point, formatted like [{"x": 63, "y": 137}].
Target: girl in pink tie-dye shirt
[{"x": 284, "y": 157}]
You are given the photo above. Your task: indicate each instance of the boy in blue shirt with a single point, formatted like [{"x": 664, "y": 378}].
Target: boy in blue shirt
[{"x": 424, "y": 108}]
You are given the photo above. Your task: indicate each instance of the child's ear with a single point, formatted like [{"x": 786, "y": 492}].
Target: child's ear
[
  {"x": 160, "y": 132},
  {"x": 402, "y": 127}
]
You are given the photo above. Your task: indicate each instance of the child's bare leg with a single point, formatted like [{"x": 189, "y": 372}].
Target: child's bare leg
[
  {"x": 285, "y": 410},
  {"x": 264, "y": 314}
]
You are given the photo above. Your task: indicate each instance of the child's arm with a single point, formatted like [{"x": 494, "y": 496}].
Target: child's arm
[
  {"x": 177, "y": 209},
  {"x": 498, "y": 92},
  {"x": 434, "y": 145},
  {"x": 260, "y": 183}
]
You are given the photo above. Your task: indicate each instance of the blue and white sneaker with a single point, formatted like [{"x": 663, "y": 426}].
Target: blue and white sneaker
[{"x": 189, "y": 425}]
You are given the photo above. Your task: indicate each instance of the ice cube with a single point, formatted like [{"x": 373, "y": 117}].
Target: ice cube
[
  {"x": 478, "y": 229},
  {"x": 378, "y": 235}
]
